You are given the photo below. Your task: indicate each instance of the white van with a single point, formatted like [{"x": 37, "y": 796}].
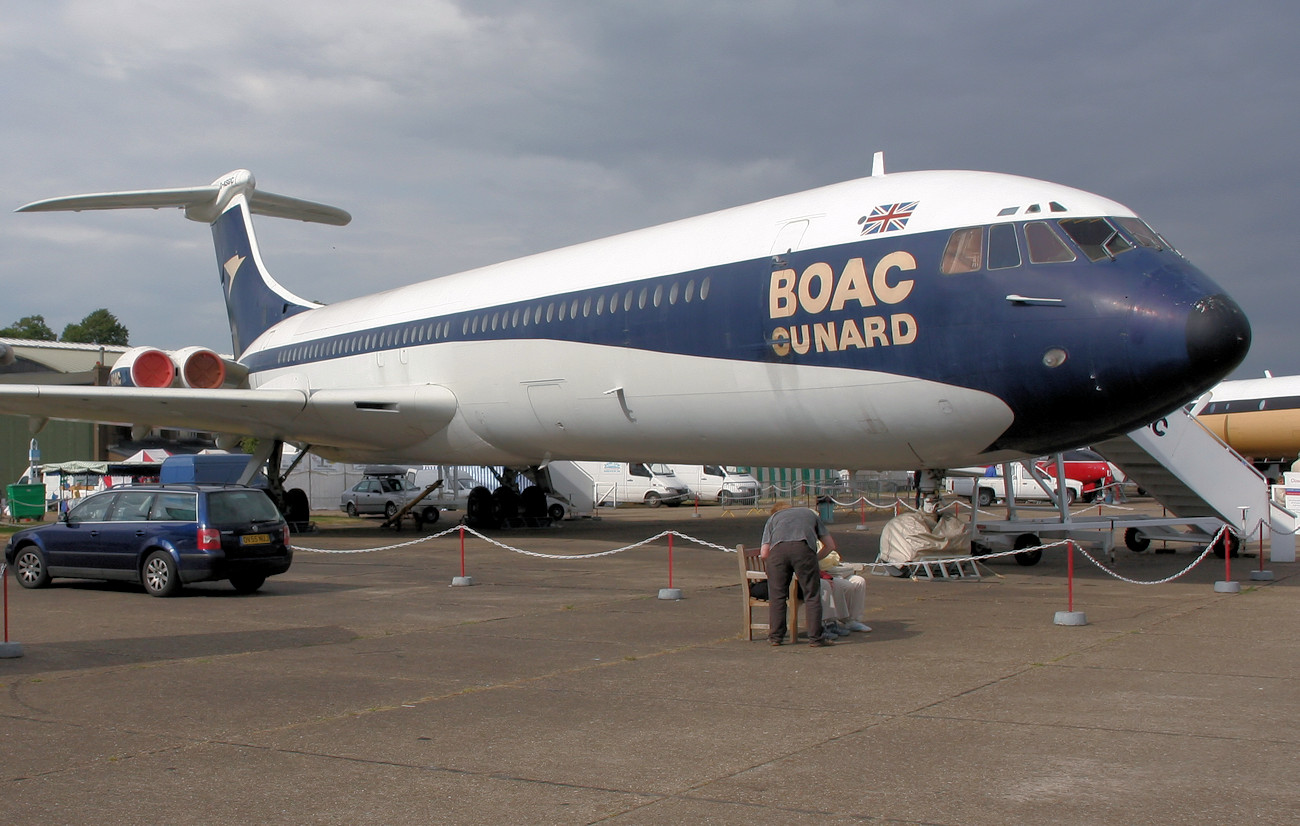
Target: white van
[
  {"x": 589, "y": 485},
  {"x": 718, "y": 483}
]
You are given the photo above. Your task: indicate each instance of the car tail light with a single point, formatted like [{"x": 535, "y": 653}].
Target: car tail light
[
  {"x": 209, "y": 539},
  {"x": 285, "y": 529}
]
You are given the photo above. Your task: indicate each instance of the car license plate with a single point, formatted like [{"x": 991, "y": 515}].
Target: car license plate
[{"x": 255, "y": 539}]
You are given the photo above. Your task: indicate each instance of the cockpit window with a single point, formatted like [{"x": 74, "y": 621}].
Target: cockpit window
[
  {"x": 1097, "y": 237},
  {"x": 965, "y": 251},
  {"x": 1004, "y": 250},
  {"x": 1141, "y": 233},
  {"x": 1045, "y": 246}
]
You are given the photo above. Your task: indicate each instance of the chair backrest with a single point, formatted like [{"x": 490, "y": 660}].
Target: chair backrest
[
  {"x": 751, "y": 563},
  {"x": 753, "y": 568}
]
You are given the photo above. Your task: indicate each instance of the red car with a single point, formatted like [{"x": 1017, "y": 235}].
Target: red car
[{"x": 1086, "y": 467}]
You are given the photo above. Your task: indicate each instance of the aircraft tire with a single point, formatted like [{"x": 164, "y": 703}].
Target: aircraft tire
[
  {"x": 1028, "y": 558},
  {"x": 1135, "y": 541},
  {"x": 532, "y": 502},
  {"x": 478, "y": 508},
  {"x": 1228, "y": 539},
  {"x": 297, "y": 507}
]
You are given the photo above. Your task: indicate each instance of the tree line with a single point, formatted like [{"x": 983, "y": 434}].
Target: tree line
[{"x": 99, "y": 327}]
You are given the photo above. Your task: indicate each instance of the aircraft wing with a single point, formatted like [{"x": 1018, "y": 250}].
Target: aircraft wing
[{"x": 366, "y": 418}]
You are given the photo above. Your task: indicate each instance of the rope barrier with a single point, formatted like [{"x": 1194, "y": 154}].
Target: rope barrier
[
  {"x": 522, "y": 551},
  {"x": 724, "y": 549}
]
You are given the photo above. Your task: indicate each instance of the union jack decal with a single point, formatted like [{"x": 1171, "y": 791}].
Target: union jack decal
[{"x": 887, "y": 218}]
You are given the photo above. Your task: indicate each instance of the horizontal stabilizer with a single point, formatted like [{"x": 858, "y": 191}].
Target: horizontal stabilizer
[
  {"x": 201, "y": 203},
  {"x": 282, "y": 206}
]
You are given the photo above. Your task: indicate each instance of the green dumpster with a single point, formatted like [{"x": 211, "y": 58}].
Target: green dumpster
[{"x": 26, "y": 501}]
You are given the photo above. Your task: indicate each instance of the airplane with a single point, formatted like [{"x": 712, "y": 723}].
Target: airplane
[
  {"x": 1259, "y": 418},
  {"x": 925, "y": 319}
]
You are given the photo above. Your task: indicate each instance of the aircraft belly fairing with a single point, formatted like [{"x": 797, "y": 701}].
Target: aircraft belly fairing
[{"x": 586, "y": 402}]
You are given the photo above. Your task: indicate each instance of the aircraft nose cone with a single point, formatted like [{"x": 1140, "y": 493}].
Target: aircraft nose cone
[{"x": 1218, "y": 334}]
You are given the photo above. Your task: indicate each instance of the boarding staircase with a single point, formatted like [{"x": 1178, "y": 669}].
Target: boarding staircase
[{"x": 1193, "y": 473}]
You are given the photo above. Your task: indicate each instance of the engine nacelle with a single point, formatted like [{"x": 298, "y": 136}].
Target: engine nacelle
[
  {"x": 143, "y": 367},
  {"x": 193, "y": 367},
  {"x": 201, "y": 368}
]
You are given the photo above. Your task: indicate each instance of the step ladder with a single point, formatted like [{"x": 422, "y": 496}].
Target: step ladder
[{"x": 1193, "y": 473}]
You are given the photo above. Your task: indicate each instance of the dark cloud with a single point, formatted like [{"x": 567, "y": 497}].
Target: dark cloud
[{"x": 461, "y": 134}]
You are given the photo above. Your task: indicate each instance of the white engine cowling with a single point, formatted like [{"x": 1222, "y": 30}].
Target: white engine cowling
[
  {"x": 192, "y": 367},
  {"x": 143, "y": 367},
  {"x": 201, "y": 368}
]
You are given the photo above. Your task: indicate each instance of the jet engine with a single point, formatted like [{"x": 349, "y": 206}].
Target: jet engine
[
  {"x": 192, "y": 367},
  {"x": 201, "y": 368},
  {"x": 143, "y": 367}
]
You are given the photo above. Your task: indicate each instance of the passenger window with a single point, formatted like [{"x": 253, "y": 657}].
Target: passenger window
[
  {"x": 1004, "y": 249},
  {"x": 131, "y": 506},
  {"x": 174, "y": 507},
  {"x": 94, "y": 509},
  {"x": 1045, "y": 246},
  {"x": 638, "y": 469},
  {"x": 1096, "y": 237},
  {"x": 964, "y": 252}
]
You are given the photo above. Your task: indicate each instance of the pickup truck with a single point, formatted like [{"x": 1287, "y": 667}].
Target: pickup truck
[{"x": 992, "y": 486}]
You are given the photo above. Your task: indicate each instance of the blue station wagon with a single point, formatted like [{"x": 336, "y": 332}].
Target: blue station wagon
[{"x": 162, "y": 536}]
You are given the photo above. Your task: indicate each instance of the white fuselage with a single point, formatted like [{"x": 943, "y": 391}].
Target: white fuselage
[{"x": 543, "y": 399}]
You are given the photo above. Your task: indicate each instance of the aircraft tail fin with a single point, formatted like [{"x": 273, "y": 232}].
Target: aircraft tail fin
[{"x": 254, "y": 300}]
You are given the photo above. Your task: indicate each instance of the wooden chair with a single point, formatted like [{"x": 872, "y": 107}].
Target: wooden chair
[{"x": 753, "y": 569}]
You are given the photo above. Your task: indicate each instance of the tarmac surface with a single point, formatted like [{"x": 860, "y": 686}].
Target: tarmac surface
[{"x": 364, "y": 688}]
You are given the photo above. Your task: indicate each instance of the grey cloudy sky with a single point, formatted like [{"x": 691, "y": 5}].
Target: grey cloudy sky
[{"x": 460, "y": 134}]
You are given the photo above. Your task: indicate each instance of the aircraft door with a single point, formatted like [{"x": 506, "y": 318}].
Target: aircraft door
[{"x": 548, "y": 403}]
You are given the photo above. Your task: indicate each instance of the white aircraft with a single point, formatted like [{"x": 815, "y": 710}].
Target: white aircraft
[
  {"x": 913, "y": 320},
  {"x": 1259, "y": 418}
]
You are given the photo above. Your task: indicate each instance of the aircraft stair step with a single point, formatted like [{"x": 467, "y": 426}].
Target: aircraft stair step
[{"x": 1190, "y": 471}]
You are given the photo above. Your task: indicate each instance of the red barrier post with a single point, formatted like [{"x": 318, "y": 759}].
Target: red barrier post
[
  {"x": 1070, "y": 617},
  {"x": 1261, "y": 546},
  {"x": 670, "y": 592},
  {"x": 8, "y": 649},
  {"x": 1227, "y": 555},
  {"x": 670, "y": 560},
  {"x": 462, "y": 579},
  {"x": 1069, "y": 564}
]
